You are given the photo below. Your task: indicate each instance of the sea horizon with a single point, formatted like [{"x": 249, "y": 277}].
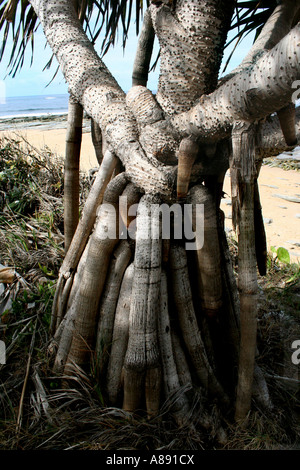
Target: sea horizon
[{"x": 34, "y": 105}]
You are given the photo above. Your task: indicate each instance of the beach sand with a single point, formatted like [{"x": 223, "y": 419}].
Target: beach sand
[
  {"x": 56, "y": 141},
  {"x": 281, "y": 216},
  {"x": 53, "y": 135}
]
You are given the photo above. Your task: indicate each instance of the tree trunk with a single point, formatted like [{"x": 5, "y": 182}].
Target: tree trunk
[
  {"x": 97, "y": 140},
  {"x": 71, "y": 177},
  {"x": 157, "y": 325},
  {"x": 144, "y": 52},
  {"x": 243, "y": 175}
]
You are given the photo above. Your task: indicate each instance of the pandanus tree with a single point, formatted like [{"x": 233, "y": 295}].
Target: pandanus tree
[{"x": 160, "y": 314}]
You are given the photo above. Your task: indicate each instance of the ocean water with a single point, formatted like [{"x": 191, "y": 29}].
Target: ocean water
[{"x": 33, "y": 105}]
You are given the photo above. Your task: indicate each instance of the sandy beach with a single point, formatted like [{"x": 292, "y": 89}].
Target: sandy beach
[
  {"x": 50, "y": 132},
  {"x": 279, "y": 188}
]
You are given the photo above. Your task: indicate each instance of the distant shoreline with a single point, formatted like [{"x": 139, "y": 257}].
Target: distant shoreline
[
  {"x": 50, "y": 129},
  {"x": 33, "y": 117},
  {"x": 45, "y": 121}
]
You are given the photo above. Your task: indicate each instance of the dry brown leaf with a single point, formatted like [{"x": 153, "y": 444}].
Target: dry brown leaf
[{"x": 7, "y": 275}]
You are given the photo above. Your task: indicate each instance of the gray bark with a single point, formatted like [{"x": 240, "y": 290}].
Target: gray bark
[
  {"x": 96, "y": 89},
  {"x": 144, "y": 52},
  {"x": 191, "y": 37},
  {"x": 119, "y": 338},
  {"x": 108, "y": 304},
  {"x": 145, "y": 133},
  {"x": 253, "y": 94},
  {"x": 278, "y": 25},
  {"x": 87, "y": 298},
  {"x": 142, "y": 355}
]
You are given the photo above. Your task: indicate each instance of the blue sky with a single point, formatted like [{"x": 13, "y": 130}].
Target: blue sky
[{"x": 32, "y": 80}]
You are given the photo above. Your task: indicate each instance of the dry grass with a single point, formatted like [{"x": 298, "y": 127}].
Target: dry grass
[{"x": 36, "y": 413}]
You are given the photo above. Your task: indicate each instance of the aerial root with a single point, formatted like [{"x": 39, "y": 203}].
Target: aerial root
[
  {"x": 142, "y": 355},
  {"x": 117, "y": 337},
  {"x": 287, "y": 119},
  {"x": 143, "y": 317},
  {"x": 207, "y": 253},
  {"x": 83, "y": 232},
  {"x": 171, "y": 379},
  {"x": 116, "y": 296}
]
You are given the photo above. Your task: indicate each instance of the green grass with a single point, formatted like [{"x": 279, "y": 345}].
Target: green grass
[
  {"x": 32, "y": 244},
  {"x": 282, "y": 284}
]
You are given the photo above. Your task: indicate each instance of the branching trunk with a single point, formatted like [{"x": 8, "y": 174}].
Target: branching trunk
[
  {"x": 278, "y": 25},
  {"x": 211, "y": 118},
  {"x": 156, "y": 327},
  {"x": 100, "y": 95},
  {"x": 251, "y": 95}
]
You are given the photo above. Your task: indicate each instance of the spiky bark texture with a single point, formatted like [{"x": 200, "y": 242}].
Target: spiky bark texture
[{"x": 156, "y": 327}]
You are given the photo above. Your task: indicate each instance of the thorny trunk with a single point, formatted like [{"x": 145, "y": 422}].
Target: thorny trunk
[{"x": 153, "y": 315}]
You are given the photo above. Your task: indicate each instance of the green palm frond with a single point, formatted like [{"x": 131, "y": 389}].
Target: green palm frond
[
  {"x": 18, "y": 17},
  {"x": 113, "y": 15},
  {"x": 99, "y": 17},
  {"x": 249, "y": 16},
  {"x": 252, "y": 15},
  {"x": 106, "y": 21}
]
